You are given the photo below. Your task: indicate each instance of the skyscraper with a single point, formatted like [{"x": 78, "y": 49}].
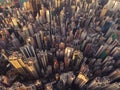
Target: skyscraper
[{"x": 17, "y": 62}]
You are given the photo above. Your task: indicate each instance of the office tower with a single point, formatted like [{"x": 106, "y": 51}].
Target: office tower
[
  {"x": 114, "y": 86},
  {"x": 32, "y": 68},
  {"x": 70, "y": 78},
  {"x": 61, "y": 45},
  {"x": 38, "y": 40},
  {"x": 101, "y": 50},
  {"x": 37, "y": 18},
  {"x": 27, "y": 5},
  {"x": 39, "y": 85},
  {"x": 67, "y": 62},
  {"x": 81, "y": 80},
  {"x": 62, "y": 15},
  {"x": 42, "y": 14},
  {"x": 107, "y": 59},
  {"x": 14, "y": 20},
  {"x": 93, "y": 83},
  {"x": 60, "y": 85},
  {"x": 31, "y": 41},
  {"x": 51, "y": 57},
  {"x": 106, "y": 26},
  {"x": 5, "y": 80},
  {"x": 15, "y": 41},
  {"x": 61, "y": 66},
  {"x": 43, "y": 58},
  {"x": 60, "y": 55},
  {"x": 92, "y": 61},
  {"x": 114, "y": 75},
  {"x": 31, "y": 30},
  {"x": 48, "y": 16},
  {"x": 31, "y": 19},
  {"x": 28, "y": 51},
  {"x": 99, "y": 83},
  {"x": 103, "y": 11},
  {"x": 4, "y": 64},
  {"x": 117, "y": 63},
  {"x": 48, "y": 86},
  {"x": 83, "y": 35},
  {"x": 26, "y": 31},
  {"x": 115, "y": 52},
  {"x": 73, "y": 9},
  {"x": 68, "y": 52},
  {"x": 63, "y": 79},
  {"x": 49, "y": 70},
  {"x": 87, "y": 49},
  {"x": 76, "y": 59},
  {"x": 56, "y": 65},
  {"x": 46, "y": 42},
  {"x": 84, "y": 69},
  {"x": 12, "y": 74},
  {"x": 2, "y": 43},
  {"x": 17, "y": 61},
  {"x": 83, "y": 44}
]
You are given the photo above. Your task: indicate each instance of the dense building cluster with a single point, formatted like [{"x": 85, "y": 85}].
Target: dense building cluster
[{"x": 60, "y": 45}]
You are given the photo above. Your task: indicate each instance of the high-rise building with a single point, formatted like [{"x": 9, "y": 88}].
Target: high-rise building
[
  {"x": 81, "y": 80},
  {"x": 17, "y": 62},
  {"x": 60, "y": 44},
  {"x": 43, "y": 58},
  {"x": 32, "y": 68},
  {"x": 76, "y": 59}
]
